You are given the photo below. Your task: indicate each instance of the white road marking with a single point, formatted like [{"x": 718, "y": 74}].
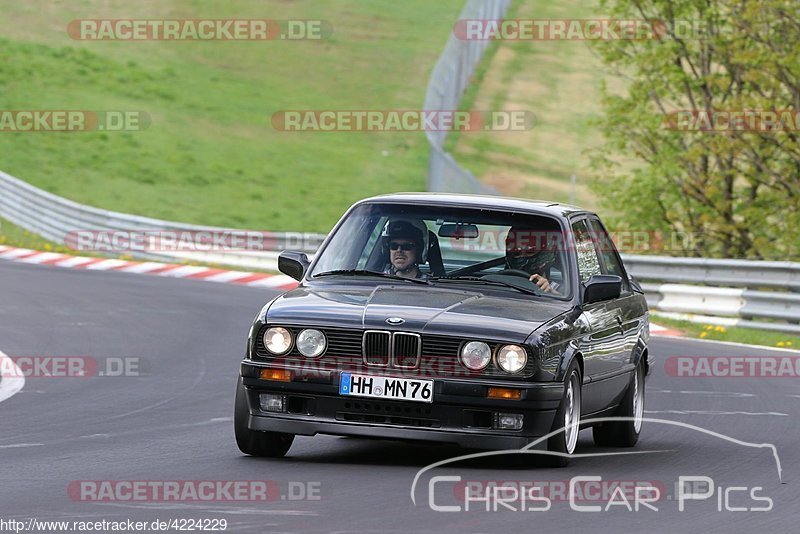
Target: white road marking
[
  {"x": 186, "y": 270},
  {"x": 227, "y": 276},
  {"x": 212, "y": 421},
  {"x": 706, "y": 393},
  {"x": 142, "y": 267},
  {"x": 106, "y": 265},
  {"x": 167, "y": 270},
  {"x": 74, "y": 261},
  {"x": 21, "y": 445},
  {"x": 10, "y": 385},
  {"x": 15, "y": 253},
  {"x": 273, "y": 281},
  {"x": 713, "y": 412},
  {"x": 44, "y": 256}
]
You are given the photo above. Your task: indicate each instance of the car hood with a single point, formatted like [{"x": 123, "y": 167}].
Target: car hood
[{"x": 423, "y": 309}]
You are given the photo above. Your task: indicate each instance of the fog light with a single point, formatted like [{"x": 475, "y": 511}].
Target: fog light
[
  {"x": 507, "y": 421},
  {"x": 272, "y": 403}
]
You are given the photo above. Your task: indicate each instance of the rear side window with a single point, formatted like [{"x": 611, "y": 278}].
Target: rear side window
[{"x": 588, "y": 263}]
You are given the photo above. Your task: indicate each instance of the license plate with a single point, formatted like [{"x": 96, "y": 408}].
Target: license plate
[{"x": 381, "y": 387}]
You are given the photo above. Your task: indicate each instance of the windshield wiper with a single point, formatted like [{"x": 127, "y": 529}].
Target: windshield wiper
[
  {"x": 363, "y": 272},
  {"x": 485, "y": 281}
]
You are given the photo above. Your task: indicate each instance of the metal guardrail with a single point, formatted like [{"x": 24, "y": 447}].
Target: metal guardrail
[
  {"x": 449, "y": 79},
  {"x": 755, "y": 294},
  {"x": 742, "y": 301},
  {"x": 54, "y": 217},
  {"x": 734, "y": 273}
]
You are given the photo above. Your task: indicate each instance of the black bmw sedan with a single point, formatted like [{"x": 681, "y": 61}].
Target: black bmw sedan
[{"x": 481, "y": 321}]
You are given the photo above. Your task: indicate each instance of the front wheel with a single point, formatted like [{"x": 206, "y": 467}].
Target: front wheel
[
  {"x": 568, "y": 419},
  {"x": 625, "y": 433},
  {"x": 252, "y": 442}
]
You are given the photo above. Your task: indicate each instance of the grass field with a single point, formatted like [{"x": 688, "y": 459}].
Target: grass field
[
  {"x": 211, "y": 155},
  {"x": 559, "y": 81},
  {"x": 13, "y": 235}
]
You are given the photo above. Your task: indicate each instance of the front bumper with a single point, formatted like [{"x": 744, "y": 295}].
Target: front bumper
[{"x": 459, "y": 414}]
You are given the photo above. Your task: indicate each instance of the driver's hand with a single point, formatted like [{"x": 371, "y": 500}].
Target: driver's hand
[{"x": 542, "y": 282}]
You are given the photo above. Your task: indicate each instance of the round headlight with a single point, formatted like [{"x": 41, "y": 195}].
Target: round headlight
[
  {"x": 278, "y": 340},
  {"x": 476, "y": 355},
  {"x": 511, "y": 358},
  {"x": 311, "y": 343}
]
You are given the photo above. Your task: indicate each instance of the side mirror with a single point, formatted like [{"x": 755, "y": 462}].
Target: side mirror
[
  {"x": 294, "y": 264},
  {"x": 601, "y": 287}
]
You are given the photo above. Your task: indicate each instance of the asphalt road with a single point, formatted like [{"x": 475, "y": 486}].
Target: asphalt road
[{"x": 174, "y": 422}]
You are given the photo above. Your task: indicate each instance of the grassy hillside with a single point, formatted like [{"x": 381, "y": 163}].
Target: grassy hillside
[
  {"x": 559, "y": 81},
  {"x": 211, "y": 155}
]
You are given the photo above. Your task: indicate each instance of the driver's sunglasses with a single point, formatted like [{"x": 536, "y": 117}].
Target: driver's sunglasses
[{"x": 403, "y": 246}]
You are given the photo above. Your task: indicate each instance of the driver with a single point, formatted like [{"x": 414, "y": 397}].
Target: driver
[
  {"x": 530, "y": 251},
  {"x": 406, "y": 247}
]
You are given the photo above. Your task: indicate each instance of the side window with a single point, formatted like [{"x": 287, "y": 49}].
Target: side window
[
  {"x": 608, "y": 252},
  {"x": 588, "y": 264},
  {"x": 606, "y": 248},
  {"x": 371, "y": 242}
]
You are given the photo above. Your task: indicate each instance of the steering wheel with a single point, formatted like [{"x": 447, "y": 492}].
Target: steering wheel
[{"x": 514, "y": 272}]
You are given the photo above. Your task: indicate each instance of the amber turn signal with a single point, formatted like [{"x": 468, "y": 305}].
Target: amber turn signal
[
  {"x": 276, "y": 374},
  {"x": 505, "y": 393}
]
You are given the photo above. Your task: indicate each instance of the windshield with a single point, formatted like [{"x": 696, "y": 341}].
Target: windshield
[{"x": 447, "y": 245}]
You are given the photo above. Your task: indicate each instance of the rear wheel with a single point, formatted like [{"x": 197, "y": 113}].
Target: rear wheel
[
  {"x": 252, "y": 442},
  {"x": 568, "y": 418},
  {"x": 625, "y": 433}
]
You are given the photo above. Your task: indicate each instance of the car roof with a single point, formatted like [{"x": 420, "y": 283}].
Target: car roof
[{"x": 479, "y": 201}]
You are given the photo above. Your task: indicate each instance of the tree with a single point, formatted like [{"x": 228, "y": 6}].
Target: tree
[{"x": 737, "y": 191}]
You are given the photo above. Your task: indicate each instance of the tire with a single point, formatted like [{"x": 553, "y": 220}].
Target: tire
[
  {"x": 625, "y": 433},
  {"x": 569, "y": 410},
  {"x": 252, "y": 442}
]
